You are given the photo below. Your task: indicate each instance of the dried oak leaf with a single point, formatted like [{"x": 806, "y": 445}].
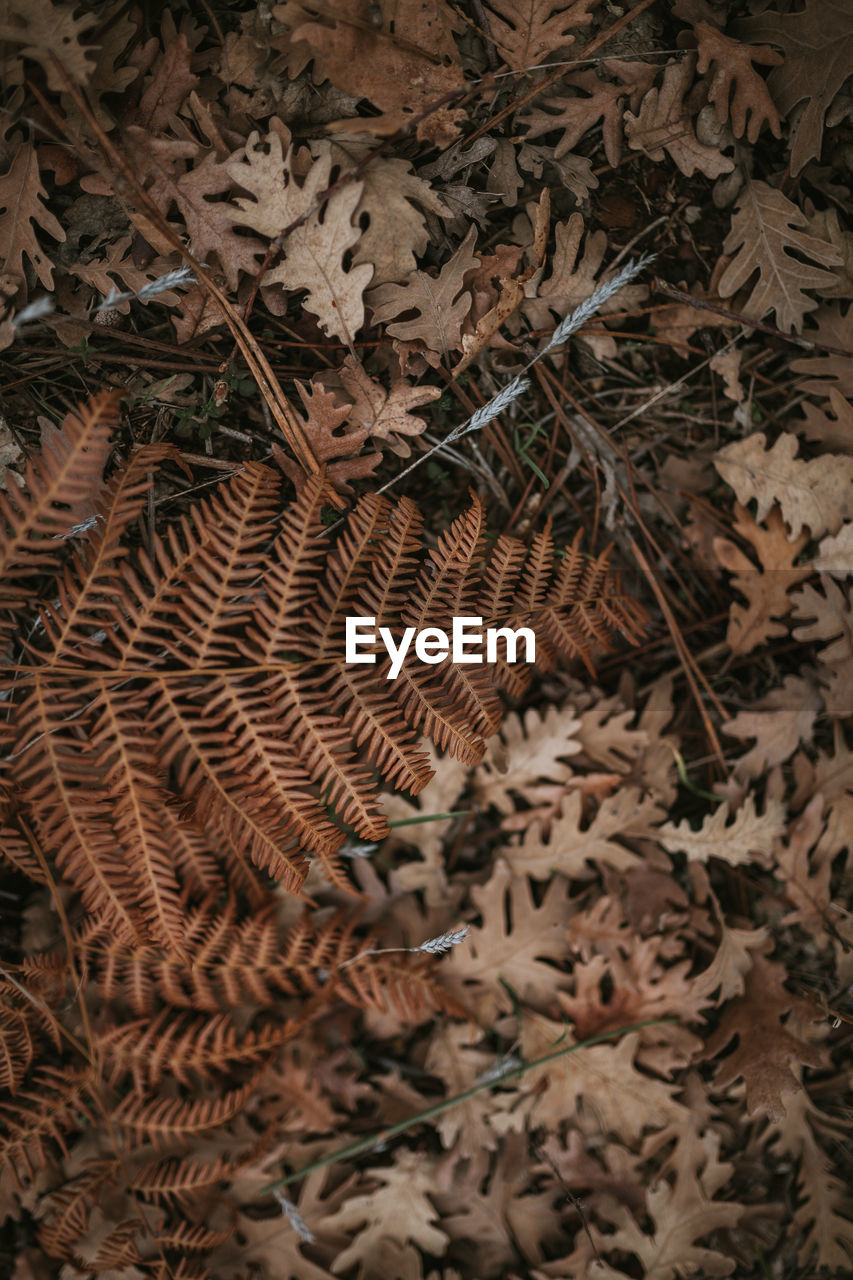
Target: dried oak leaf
[
  {"x": 119, "y": 271},
  {"x": 766, "y": 228},
  {"x": 385, "y": 414},
  {"x": 766, "y": 1050},
  {"x": 832, "y": 620},
  {"x": 816, "y": 493},
  {"x": 528, "y": 749},
  {"x": 571, "y": 845},
  {"x": 402, "y": 72},
  {"x": 171, "y": 82},
  {"x": 826, "y": 370},
  {"x": 818, "y": 48},
  {"x": 313, "y": 254},
  {"x": 576, "y": 115},
  {"x": 21, "y": 205},
  {"x": 732, "y": 961},
  {"x": 748, "y": 838},
  {"x": 399, "y": 1210},
  {"x": 161, "y": 165},
  {"x": 50, "y": 34},
  {"x": 449, "y": 776},
  {"x": 510, "y": 947},
  {"x": 826, "y": 225},
  {"x": 750, "y": 105},
  {"x": 766, "y": 588},
  {"x": 455, "y": 1060},
  {"x": 441, "y": 302},
  {"x": 393, "y": 198},
  {"x": 526, "y": 32},
  {"x": 664, "y": 124},
  {"x": 822, "y": 1223},
  {"x": 573, "y": 276},
  {"x": 682, "y": 1213},
  {"x": 835, "y": 554},
  {"x": 339, "y": 450},
  {"x": 831, "y": 426},
  {"x": 804, "y": 864},
  {"x": 598, "y": 1088},
  {"x": 779, "y": 722}
]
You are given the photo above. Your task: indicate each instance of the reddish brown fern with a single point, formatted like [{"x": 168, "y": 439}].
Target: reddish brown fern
[{"x": 179, "y": 728}]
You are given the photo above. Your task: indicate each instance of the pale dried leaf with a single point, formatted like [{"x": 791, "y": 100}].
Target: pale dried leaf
[
  {"x": 732, "y": 961},
  {"x": 748, "y": 837},
  {"x": 529, "y": 748},
  {"x": 395, "y": 200},
  {"x": 442, "y": 302},
  {"x": 663, "y": 124},
  {"x": 817, "y": 493},
  {"x": 398, "y": 1210},
  {"x": 314, "y": 252},
  {"x": 598, "y": 1088},
  {"x": 525, "y": 32},
  {"x": 385, "y": 414},
  {"x": 571, "y": 846},
  {"x": 510, "y": 948},
  {"x": 779, "y": 723},
  {"x": 766, "y": 590},
  {"x": 765, "y": 228},
  {"x": 22, "y": 205},
  {"x": 835, "y": 553}
]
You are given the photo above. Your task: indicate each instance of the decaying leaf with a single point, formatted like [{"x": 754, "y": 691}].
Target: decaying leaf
[
  {"x": 21, "y": 206},
  {"x": 767, "y": 1053},
  {"x": 817, "y": 493},
  {"x": 441, "y": 302},
  {"x": 663, "y": 124},
  {"x": 766, "y": 589},
  {"x": 748, "y": 837},
  {"x": 818, "y": 46},
  {"x": 313, "y": 254},
  {"x": 401, "y": 71},
  {"x": 525, "y": 32},
  {"x": 737, "y": 90},
  {"x": 766, "y": 227}
]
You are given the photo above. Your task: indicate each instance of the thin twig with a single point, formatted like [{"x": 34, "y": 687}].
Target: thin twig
[{"x": 810, "y": 344}]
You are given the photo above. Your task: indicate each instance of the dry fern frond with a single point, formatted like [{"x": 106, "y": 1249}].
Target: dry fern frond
[{"x": 191, "y": 708}]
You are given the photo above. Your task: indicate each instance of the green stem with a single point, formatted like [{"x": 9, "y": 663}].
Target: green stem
[
  {"x": 514, "y": 1073},
  {"x": 430, "y": 817}
]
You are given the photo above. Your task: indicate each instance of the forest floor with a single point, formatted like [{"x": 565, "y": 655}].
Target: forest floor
[{"x": 304, "y": 244}]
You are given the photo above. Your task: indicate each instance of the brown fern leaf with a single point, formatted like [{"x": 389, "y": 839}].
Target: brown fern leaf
[
  {"x": 17, "y": 1047},
  {"x": 69, "y": 1209},
  {"x": 188, "y": 1049},
  {"x": 190, "y": 711},
  {"x": 194, "y": 1238},
  {"x": 40, "y": 1118},
  {"x": 178, "y": 1181},
  {"x": 163, "y": 1121},
  {"x": 66, "y": 474}
]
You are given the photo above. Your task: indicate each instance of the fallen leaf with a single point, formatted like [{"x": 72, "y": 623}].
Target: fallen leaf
[
  {"x": 766, "y": 228},
  {"x": 816, "y": 493},
  {"x": 663, "y": 124},
  {"x": 749, "y": 837}
]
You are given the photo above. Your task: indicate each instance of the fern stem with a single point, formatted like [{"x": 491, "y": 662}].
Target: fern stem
[{"x": 380, "y": 1139}]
